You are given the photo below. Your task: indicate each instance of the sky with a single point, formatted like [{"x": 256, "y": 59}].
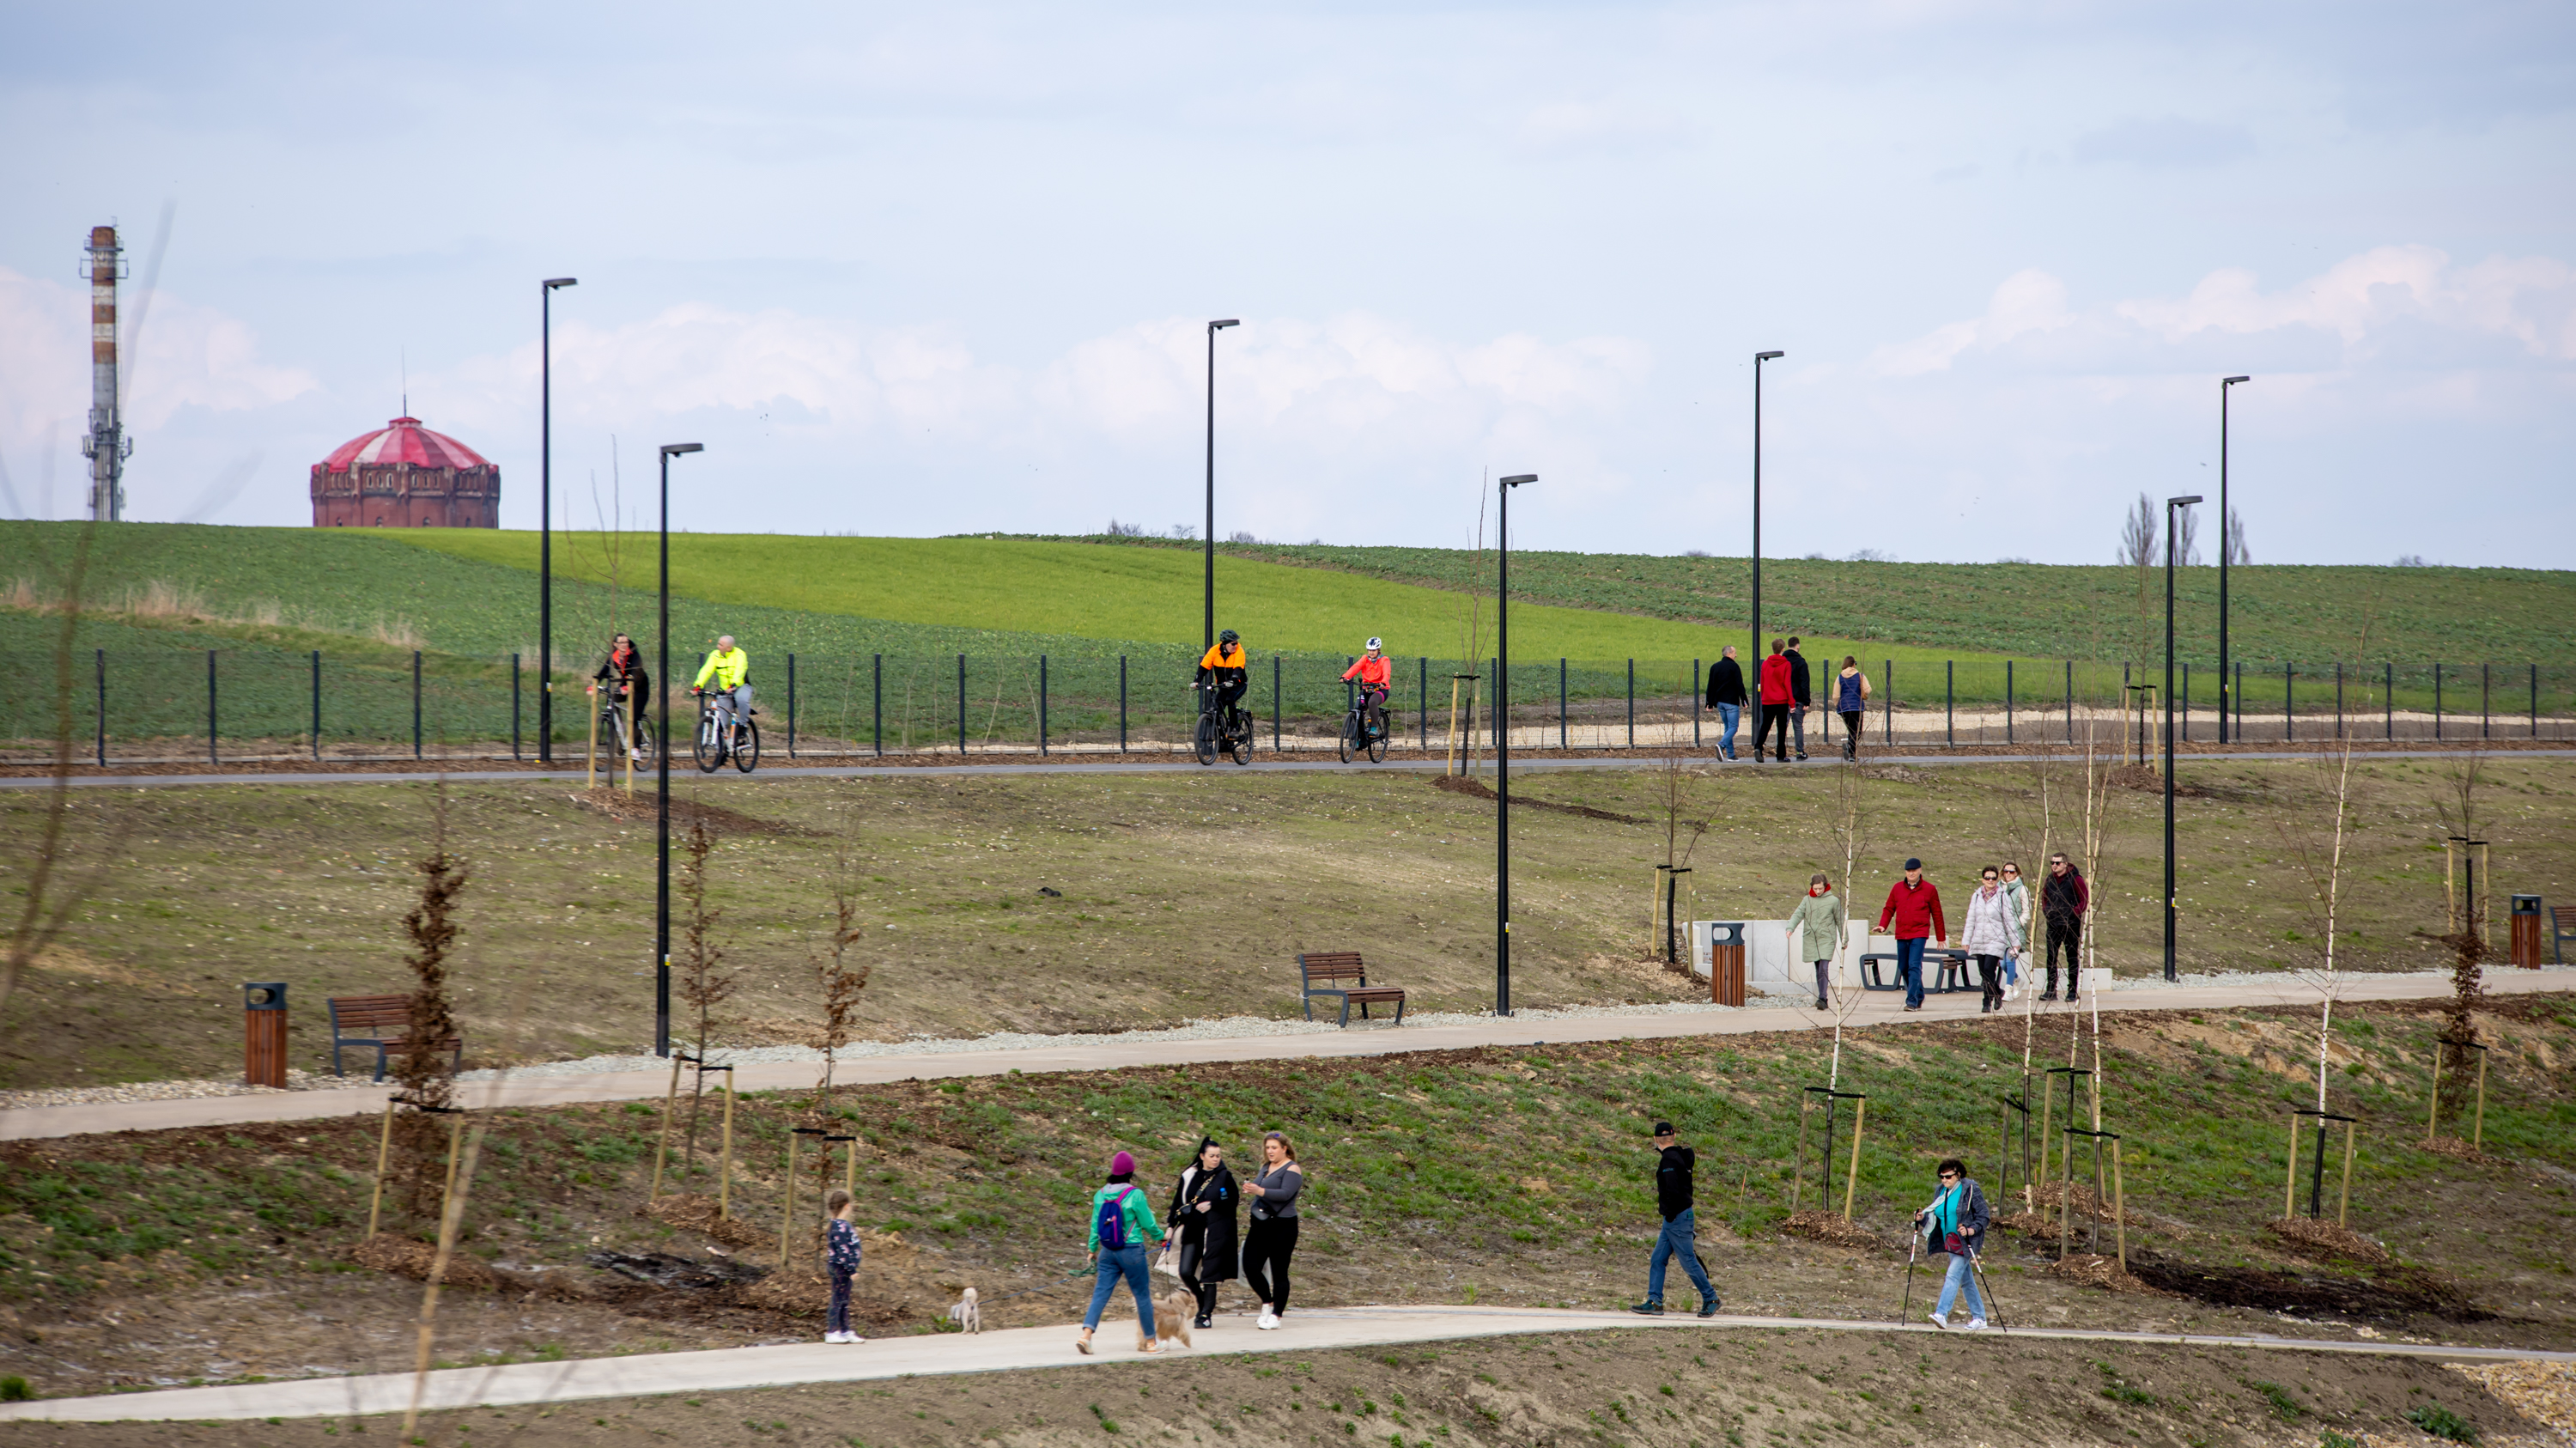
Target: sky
[{"x": 913, "y": 270}]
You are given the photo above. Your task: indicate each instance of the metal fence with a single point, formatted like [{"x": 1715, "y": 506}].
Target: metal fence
[{"x": 254, "y": 702}]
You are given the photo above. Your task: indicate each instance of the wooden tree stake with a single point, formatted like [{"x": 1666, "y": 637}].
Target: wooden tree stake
[
  {"x": 1851, "y": 1176},
  {"x": 384, "y": 1154},
  {"x": 670, "y": 1104}
]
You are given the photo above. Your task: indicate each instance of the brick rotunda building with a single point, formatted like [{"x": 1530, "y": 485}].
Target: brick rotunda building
[{"x": 405, "y": 476}]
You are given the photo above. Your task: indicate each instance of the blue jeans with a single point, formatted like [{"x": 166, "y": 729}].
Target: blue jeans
[
  {"x": 1959, "y": 1275},
  {"x": 1127, "y": 1262},
  {"x": 1909, "y": 968},
  {"x": 1729, "y": 715},
  {"x": 1675, "y": 1241}
]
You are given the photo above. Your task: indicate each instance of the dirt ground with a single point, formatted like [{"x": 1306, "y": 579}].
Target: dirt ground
[{"x": 1672, "y": 1387}]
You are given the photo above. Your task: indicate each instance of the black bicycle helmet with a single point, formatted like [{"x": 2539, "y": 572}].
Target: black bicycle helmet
[{"x": 1227, "y": 637}]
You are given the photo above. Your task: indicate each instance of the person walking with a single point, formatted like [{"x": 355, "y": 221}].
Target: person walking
[
  {"x": 1674, "y": 1165},
  {"x": 1775, "y": 701},
  {"x": 1988, "y": 936},
  {"x": 1956, "y": 1220},
  {"x": 1915, "y": 906},
  {"x": 1202, "y": 1223},
  {"x": 2017, "y": 895},
  {"x": 1817, "y": 929},
  {"x": 2063, "y": 900},
  {"x": 840, "y": 1262},
  {"x": 1122, "y": 1222},
  {"x": 1851, "y": 699},
  {"x": 1726, "y": 696},
  {"x": 1799, "y": 689},
  {"x": 1272, "y": 1239}
]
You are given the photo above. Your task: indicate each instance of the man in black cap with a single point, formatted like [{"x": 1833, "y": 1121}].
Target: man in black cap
[{"x": 1673, "y": 1166}]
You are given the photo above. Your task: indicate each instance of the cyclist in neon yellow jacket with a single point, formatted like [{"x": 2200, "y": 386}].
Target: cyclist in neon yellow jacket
[{"x": 729, "y": 669}]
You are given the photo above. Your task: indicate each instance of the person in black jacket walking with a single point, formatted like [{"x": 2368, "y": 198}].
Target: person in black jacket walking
[
  {"x": 1799, "y": 689},
  {"x": 1726, "y": 696},
  {"x": 1202, "y": 1220},
  {"x": 1674, "y": 1163},
  {"x": 1957, "y": 1221}
]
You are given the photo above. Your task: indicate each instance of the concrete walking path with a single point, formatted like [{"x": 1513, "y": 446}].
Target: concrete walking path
[
  {"x": 1306, "y": 1330},
  {"x": 1073, "y": 1054}
]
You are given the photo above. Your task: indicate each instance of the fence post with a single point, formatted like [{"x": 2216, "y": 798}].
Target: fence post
[
  {"x": 102, "y": 703},
  {"x": 2388, "y": 694},
  {"x": 2486, "y": 701},
  {"x": 1887, "y": 703},
  {"x": 1560, "y": 699},
  {"x": 2535, "y": 707},
  {"x": 514, "y": 705},
  {"x": 2008, "y": 703},
  {"x": 2289, "y": 707},
  {"x": 961, "y": 703},
  {"x": 317, "y": 705},
  {"x": 2070, "y": 701},
  {"x": 791, "y": 706},
  {"x": 1122, "y": 703},
  {"x": 1632, "y": 703},
  {"x": 210, "y": 706},
  {"x": 2338, "y": 699},
  {"x": 2185, "y": 701},
  {"x": 1042, "y": 717},
  {"x": 415, "y": 703},
  {"x": 1950, "y": 703},
  {"x": 1422, "y": 685},
  {"x": 2437, "y": 698},
  {"x": 1694, "y": 703},
  {"x": 876, "y": 717},
  {"x": 2237, "y": 717},
  {"x": 1274, "y": 703}
]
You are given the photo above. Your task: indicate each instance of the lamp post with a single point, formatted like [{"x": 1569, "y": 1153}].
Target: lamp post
[
  {"x": 1503, "y": 748},
  {"x": 546, "y": 515},
  {"x": 1209, "y": 619},
  {"x": 2227, "y": 701},
  {"x": 2170, "y": 505},
  {"x": 662, "y": 774},
  {"x": 1756, "y": 656}
]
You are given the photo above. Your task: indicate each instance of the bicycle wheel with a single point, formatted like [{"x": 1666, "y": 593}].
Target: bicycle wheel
[
  {"x": 1240, "y": 742},
  {"x": 1377, "y": 742},
  {"x": 710, "y": 746},
  {"x": 1204, "y": 740},
  {"x": 648, "y": 744},
  {"x": 1351, "y": 728},
  {"x": 746, "y": 747}
]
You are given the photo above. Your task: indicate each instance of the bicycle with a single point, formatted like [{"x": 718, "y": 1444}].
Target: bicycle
[
  {"x": 1358, "y": 736},
  {"x": 1231, "y": 734},
  {"x": 613, "y": 723},
  {"x": 716, "y": 743}
]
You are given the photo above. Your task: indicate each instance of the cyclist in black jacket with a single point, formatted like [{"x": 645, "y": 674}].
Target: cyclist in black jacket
[
  {"x": 1673, "y": 1166},
  {"x": 625, "y": 675}
]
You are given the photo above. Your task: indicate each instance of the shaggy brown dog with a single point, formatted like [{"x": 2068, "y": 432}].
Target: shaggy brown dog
[{"x": 1171, "y": 1318}]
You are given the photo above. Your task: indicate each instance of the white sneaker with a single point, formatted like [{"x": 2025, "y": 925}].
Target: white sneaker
[
  {"x": 1939, "y": 1321},
  {"x": 833, "y": 1336},
  {"x": 1976, "y": 1324},
  {"x": 1267, "y": 1321},
  {"x": 2012, "y": 992}
]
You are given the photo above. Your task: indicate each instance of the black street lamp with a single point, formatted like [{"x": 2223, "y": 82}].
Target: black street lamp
[
  {"x": 1503, "y": 748},
  {"x": 2227, "y": 700},
  {"x": 2170, "y": 505},
  {"x": 1209, "y": 621},
  {"x": 662, "y": 780},
  {"x": 1756, "y": 656},
  {"x": 546, "y": 515}
]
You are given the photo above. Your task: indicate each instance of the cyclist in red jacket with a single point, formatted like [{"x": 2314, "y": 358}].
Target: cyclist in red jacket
[
  {"x": 1377, "y": 679},
  {"x": 1915, "y": 905}
]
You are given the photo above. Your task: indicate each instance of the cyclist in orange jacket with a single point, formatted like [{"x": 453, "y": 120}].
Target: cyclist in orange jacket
[
  {"x": 1228, "y": 668},
  {"x": 1377, "y": 680}
]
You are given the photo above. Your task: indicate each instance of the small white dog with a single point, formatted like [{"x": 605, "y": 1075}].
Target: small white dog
[{"x": 966, "y": 1314}]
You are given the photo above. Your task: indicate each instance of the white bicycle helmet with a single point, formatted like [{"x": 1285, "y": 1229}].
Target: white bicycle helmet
[{"x": 1376, "y": 644}]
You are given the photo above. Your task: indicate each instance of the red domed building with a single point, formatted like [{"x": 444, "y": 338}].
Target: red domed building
[{"x": 405, "y": 476}]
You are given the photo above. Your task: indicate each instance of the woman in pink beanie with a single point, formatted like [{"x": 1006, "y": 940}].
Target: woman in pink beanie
[{"x": 1122, "y": 1227}]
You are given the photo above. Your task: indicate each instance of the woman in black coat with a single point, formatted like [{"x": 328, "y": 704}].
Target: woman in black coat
[{"x": 1202, "y": 1220}]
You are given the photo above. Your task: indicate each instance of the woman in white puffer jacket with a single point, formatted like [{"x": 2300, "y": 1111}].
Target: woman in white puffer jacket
[{"x": 1991, "y": 935}]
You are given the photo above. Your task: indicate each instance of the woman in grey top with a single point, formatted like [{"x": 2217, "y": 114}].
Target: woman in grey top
[
  {"x": 1272, "y": 1239},
  {"x": 1816, "y": 932}
]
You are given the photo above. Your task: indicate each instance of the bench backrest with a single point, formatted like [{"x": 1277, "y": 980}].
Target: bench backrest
[
  {"x": 376, "y": 1015},
  {"x": 1333, "y": 965},
  {"x": 2563, "y": 917}
]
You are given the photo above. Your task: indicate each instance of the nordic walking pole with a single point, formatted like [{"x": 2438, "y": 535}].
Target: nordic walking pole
[
  {"x": 1913, "y": 1240},
  {"x": 1977, "y": 1264}
]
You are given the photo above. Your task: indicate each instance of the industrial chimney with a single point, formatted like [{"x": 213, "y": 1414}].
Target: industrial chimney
[{"x": 107, "y": 447}]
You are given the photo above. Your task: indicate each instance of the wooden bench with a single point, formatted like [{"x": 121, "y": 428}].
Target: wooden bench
[
  {"x": 381, "y": 1021},
  {"x": 2562, "y": 928},
  {"x": 1339, "y": 973}
]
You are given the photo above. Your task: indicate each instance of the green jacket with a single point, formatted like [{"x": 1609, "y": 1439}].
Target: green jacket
[
  {"x": 1821, "y": 919},
  {"x": 1141, "y": 1226}
]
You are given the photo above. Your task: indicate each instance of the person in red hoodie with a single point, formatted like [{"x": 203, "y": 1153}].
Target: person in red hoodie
[
  {"x": 1778, "y": 692},
  {"x": 1915, "y": 905}
]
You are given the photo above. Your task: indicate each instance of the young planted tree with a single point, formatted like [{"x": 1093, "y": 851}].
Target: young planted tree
[
  {"x": 839, "y": 981},
  {"x": 703, "y": 981},
  {"x": 1681, "y": 838},
  {"x": 2463, "y": 815},
  {"x": 426, "y": 1068},
  {"x": 1851, "y": 822},
  {"x": 2316, "y": 847},
  {"x": 2031, "y": 820}
]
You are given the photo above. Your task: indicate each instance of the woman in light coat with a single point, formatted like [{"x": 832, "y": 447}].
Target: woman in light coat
[
  {"x": 1816, "y": 933},
  {"x": 2017, "y": 895},
  {"x": 1991, "y": 935}
]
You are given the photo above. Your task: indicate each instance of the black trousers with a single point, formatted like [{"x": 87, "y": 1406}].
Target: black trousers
[
  {"x": 1990, "y": 975},
  {"x": 1192, "y": 1254},
  {"x": 1774, "y": 717},
  {"x": 1266, "y": 1250},
  {"x": 2065, "y": 932},
  {"x": 1851, "y": 734}
]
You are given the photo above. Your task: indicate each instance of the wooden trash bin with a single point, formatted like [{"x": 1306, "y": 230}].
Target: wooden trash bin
[
  {"x": 1726, "y": 962},
  {"x": 2526, "y": 931},
  {"x": 264, "y": 1034}
]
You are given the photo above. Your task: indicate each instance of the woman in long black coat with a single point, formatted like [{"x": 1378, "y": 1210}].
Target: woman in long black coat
[{"x": 1202, "y": 1220}]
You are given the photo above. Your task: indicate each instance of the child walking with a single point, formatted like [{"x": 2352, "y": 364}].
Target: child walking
[{"x": 840, "y": 1262}]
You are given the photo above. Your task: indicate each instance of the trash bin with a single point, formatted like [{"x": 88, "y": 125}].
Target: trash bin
[
  {"x": 2526, "y": 931},
  {"x": 1726, "y": 962},
  {"x": 264, "y": 1034}
]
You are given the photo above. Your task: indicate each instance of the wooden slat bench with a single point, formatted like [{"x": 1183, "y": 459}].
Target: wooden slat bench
[
  {"x": 2562, "y": 928},
  {"x": 381, "y": 1021},
  {"x": 1339, "y": 973}
]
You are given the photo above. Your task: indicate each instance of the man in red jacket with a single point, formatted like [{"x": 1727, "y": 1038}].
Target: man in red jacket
[
  {"x": 1777, "y": 693},
  {"x": 1915, "y": 905}
]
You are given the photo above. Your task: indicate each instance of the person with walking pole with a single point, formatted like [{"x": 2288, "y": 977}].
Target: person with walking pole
[
  {"x": 1958, "y": 1215},
  {"x": 1674, "y": 1164}
]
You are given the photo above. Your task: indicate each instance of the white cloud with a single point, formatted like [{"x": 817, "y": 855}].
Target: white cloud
[
  {"x": 2028, "y": 301},
  {"x": 190, "y": 356}
]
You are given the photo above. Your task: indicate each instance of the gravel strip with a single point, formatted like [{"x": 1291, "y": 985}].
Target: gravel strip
[{"x": 161, "y": 1091}]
